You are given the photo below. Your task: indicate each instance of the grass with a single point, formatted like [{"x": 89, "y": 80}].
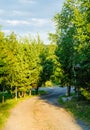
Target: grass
[
  {"x": 79, "y": 108},
  {"x": 5, "y": 110}
]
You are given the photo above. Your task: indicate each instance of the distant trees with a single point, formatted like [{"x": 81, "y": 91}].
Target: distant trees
[{"x": 48, "y": 58}]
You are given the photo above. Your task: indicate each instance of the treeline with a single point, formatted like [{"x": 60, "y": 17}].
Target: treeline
[
  {"x": 73, "y": 45},
  {"x": 25, "y": 63}
]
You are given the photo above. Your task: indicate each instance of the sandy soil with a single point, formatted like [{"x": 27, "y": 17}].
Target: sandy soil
[{"x": 38, "y": 114}]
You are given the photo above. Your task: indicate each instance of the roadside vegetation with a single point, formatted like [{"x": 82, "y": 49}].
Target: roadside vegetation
[
  {"x": 5, "y": 110},
  {"x": 78, "y": 107}
]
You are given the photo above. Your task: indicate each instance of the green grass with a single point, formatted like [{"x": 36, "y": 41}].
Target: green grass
[
  {"x": 79, "y": 108},
  {"x": 5, "y": 110}
]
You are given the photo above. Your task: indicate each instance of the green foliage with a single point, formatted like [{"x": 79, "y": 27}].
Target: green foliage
[
  {"x": 85, "y": 93},
  {"x": 73, "y": 43},
  {"x": 24, "y": 64},
  {"x": 6, "y": 96},
  {"x": 65, "y": 50},
  {"x": 48, "y": 84},
  {"x": 48, "y": 59}
]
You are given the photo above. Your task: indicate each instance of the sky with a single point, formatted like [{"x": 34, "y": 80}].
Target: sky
[{"x": 29, "y": 17}]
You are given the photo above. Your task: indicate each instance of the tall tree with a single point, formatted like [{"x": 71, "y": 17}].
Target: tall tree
[
  {"x": 73, "y": 42},
  {"x": 82, "y": 23},
  {"x": 65, "y": 31}
]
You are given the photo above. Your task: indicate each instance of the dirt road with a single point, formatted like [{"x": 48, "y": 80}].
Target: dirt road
[{"x": 41, "y": 113}]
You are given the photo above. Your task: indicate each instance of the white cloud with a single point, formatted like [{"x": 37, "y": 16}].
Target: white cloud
[
  {"x": 21, "y": 13},
  {"x": 39, "y": 22},
  {"x": 36, "y": 22},
  {"x": 17, "y": 22}
]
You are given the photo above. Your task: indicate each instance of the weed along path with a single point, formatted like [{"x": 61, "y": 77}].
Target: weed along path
[{"x": 41, "y": 113}]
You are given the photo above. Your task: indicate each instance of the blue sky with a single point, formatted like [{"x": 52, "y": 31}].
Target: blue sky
[{"x": 29, "y": 16}]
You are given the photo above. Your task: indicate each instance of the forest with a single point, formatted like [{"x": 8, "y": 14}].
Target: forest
[{"x": 28, "y": 63}]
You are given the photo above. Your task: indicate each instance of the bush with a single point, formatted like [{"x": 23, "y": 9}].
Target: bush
[
  {"x": 49, "y": 83},
  {"x": 85, "y": 93}
]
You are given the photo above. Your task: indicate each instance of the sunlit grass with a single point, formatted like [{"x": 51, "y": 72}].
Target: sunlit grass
[{"x": 5, "y": 110}]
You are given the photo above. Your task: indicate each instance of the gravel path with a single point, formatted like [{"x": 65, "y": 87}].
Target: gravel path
[{"x": 41, "y": 114}]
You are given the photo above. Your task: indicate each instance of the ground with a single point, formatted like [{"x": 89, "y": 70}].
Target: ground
[{"x": 42, "y": 113}]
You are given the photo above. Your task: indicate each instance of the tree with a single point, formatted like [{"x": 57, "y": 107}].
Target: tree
[
  {"x": 73, "y": 42},
  {"x": 65, "y": 31},
  {"x": 48, "y": 59},
  {"x": 82, "y": 23},
  {"x": 32, "y": 49},
  {"x": 4, "y": 59}
]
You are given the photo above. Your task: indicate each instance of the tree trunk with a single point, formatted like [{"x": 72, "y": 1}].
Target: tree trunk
[
  {"x": 68, "y": 91},
  {"x": 30, "y": 92},
  {"x": 78, "y": 93},
  {"x": 75, "y": 89},
  {"x": 16, "y": 93},
  {"x": 37, "y": 90},
  {"x": 3, "y": 96},
  {"x": 19, "y": 94},
  {"x": 22, "y": 94}
]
